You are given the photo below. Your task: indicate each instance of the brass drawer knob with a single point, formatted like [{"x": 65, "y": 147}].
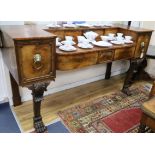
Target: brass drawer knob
[
  {"x": 142, "y": 44},
  {"x": 37, "y": 64},
  {"x": 142, "y": 49}
]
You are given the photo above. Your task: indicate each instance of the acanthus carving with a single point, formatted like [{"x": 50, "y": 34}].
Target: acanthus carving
[{"x": 37, "y": 93}]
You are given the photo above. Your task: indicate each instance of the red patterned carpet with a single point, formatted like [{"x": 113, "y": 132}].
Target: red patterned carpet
[{"x": 115, "y": 112}]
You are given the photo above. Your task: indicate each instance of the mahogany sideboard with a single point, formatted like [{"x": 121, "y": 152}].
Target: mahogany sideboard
[{"x": 32, "y": 58}]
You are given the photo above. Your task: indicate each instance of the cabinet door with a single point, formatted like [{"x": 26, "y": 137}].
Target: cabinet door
[{"x": 36, "y": 60}]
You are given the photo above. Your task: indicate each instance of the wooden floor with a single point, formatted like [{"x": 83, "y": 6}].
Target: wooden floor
[{"x": 64, "y": 99}]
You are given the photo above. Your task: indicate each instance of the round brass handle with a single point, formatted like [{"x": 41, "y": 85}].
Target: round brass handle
[{"x": 37, "y": 64}]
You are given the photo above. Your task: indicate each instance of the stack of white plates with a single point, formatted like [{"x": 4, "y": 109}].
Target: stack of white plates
[
  {"x": 102, "y": 43},
  {"x": 67, "y": 48}
]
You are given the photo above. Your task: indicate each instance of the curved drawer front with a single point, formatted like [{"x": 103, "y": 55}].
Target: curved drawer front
[
  {"x": 36, "y": 61},
  {"x": 68, "y": 62},
  {"x": 124, "y": 53}
]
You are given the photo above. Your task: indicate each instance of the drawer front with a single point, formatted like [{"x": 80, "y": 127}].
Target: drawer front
[
  {"x": 36, "y": 61},
  {"x": 105, "y": 56},
  {"x": 68, "y": 62},
  {"x": 124, "y": 53}
]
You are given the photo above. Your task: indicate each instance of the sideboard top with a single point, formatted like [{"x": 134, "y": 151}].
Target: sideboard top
[{"x": 26, "y": 32}]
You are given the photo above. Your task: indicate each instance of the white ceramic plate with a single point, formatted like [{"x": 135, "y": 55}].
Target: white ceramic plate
[
  {"x": 128, "y": 41},
  {"x": 68, "y": 42},
  {"x": 117, "y": 42},
  {"x": 102, "y": 43},
  {"x": 81, "y": 45},
  {"x": 67, "y": 48}
]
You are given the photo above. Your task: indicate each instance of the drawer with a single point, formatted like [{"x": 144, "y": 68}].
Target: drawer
[
  {"x": 105, "y": 56},
  {"x": 36, "y": 60},
  {"x": 124, "y": 53},
  {"x": 68, "y": 62}
]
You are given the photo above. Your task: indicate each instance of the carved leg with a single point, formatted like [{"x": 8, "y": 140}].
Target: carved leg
[
  {"x": 141, "y": 72},
  {"x": 37, "y": 93},
  {"x": 15, "y": 92},
  {"x": 136, "y": 72},
  {"x": 108, "y": 70},
  {"x": 129, "y": 77}
]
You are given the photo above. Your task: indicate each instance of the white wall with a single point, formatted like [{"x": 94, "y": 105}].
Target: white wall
[
  {"x": 149, "y": 25},
  {"x": 5, "y": 86},
  {"x": 3, "y": 94},
  {"x": 151, "y": 63}
]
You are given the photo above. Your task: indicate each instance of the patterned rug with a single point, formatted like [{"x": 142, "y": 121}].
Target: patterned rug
[{"x": 115, "y": 112}]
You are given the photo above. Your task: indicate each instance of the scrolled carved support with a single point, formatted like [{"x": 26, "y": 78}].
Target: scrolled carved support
[
  {"x": 38, "y": 90},
  {"x": 136, "y": 71},
  {"x": 136, "y": 67}
]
